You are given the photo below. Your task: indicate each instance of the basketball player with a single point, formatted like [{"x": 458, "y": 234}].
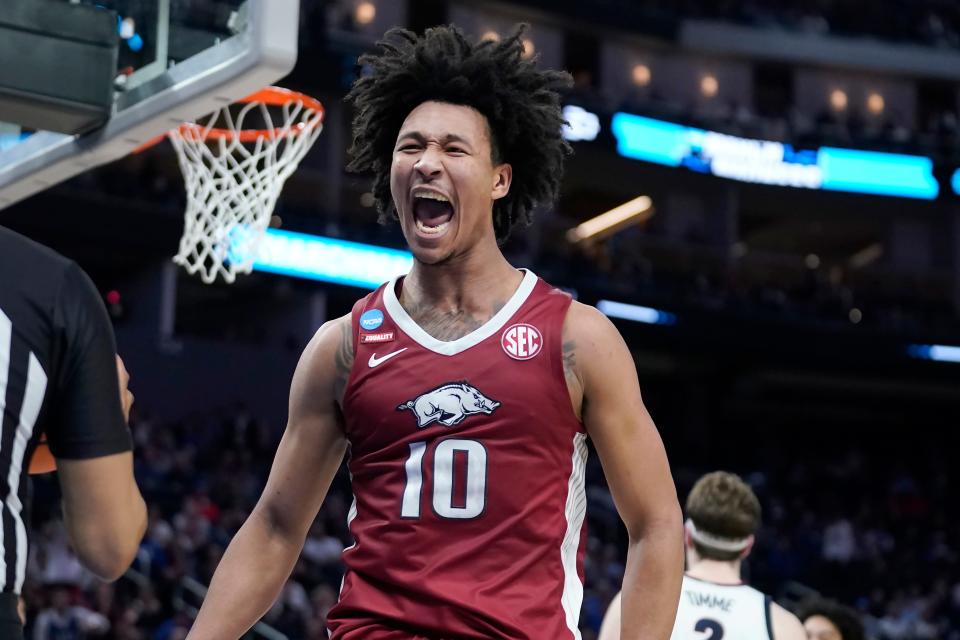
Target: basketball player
[
  {"x": 59, "y": 375},
  {"x": 723, "y": 515},
  {"x": 828, "y": 620},
  {"x": 465, "y": 390}
]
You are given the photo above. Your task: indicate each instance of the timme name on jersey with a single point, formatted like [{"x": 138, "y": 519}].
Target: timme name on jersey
[
  {"x": 467, "y": 463},
  {"x": 711, "y": 611}
]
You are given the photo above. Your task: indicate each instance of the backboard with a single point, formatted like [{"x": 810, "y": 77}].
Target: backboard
[{"x": 177, "y": 61}]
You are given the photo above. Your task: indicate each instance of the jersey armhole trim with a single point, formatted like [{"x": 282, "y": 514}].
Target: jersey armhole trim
[
  {"x": 559, "y": 374},
  {"x": 369, "y": 301},
  {"x": 769, "y": 615}
]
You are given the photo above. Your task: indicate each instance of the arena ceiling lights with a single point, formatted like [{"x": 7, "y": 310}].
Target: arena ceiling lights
[
  {"x": 774, "y": 163},
  {"x": 936, "y": 352},
  {"x": 580, "y": 124},
  {"x": 606, "y": 224},
  {"x": 635, "y": 312}
]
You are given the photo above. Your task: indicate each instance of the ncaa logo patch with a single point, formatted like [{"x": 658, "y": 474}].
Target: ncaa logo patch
[
  {"x": 521, "y": 341},
  {"x": 371, "y": 320}
]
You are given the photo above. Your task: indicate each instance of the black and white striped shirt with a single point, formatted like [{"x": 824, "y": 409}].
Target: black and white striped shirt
[{"x": 57, "y": 375}]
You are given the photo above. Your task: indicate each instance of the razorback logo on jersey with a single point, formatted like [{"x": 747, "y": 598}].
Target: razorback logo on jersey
[
  {"x": 521, "y": 341},
  {"x": 449, "y": 404}
]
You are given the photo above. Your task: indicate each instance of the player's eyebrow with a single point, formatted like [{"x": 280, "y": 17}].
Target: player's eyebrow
[{"x": 419, "y": 137}]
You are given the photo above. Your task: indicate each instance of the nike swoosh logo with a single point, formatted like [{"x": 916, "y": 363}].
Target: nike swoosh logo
[{"x": 374, "y": 360}]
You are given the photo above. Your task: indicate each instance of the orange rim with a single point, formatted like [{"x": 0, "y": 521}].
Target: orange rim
[
  {"x": 270, "y": 96},
  {"x": 278, "y": 96},
  {"x": 246, "y": 135}
]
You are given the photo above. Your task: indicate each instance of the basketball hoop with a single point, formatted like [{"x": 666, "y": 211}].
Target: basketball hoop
[{"x": 234, "y": 175}]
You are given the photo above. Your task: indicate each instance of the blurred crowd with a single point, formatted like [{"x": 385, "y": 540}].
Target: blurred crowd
[
  {"x": 875, "y": 530},
  {"x": 934, "y": 23},
  {"x": 887, "y": 544},
  {"x": 930, "y": 22},
  {"x": 645, "y": 265}
]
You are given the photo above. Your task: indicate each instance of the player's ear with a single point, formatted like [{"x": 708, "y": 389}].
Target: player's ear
[
  {"x": 502, "y": 177},
  {"x": 746, "y": 552}
]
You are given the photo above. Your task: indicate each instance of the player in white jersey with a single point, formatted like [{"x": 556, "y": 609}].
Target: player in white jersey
[{"x": 723, "y": 515}]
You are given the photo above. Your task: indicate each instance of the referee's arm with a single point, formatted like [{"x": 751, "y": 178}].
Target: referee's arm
[{"x": 103, "y": 510}]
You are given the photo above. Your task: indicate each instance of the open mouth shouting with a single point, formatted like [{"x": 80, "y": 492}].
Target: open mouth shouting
[{"x": 432, "y": 212}]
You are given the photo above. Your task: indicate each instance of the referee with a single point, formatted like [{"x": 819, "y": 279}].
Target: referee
[{"x": 59, "y": 375}]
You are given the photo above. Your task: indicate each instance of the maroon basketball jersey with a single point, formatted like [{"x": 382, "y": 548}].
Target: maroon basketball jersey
[{"x": 467, "y": 463}]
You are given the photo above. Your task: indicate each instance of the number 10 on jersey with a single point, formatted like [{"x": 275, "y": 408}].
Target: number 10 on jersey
[{"x": 444, "y": 456}]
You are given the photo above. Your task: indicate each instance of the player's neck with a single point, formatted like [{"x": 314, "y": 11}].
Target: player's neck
[
  {"x": 720, "y": 572},
  {"x": 463, "y": 283},
  {"x": 452, "y": 299}
]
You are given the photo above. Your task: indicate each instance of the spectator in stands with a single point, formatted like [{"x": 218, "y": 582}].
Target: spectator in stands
[{"x": 65, "y": 621}]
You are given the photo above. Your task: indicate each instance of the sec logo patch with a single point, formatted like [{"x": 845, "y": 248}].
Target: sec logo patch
[{"x": 521, "y": 341}]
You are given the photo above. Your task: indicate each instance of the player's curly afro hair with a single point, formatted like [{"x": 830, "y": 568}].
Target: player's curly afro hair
[
  {"x": 845, "y": 619},
  {"x": 520, "y": 102}
]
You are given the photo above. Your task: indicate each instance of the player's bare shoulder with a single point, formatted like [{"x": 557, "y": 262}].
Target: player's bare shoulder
[
  {"x": 343, "y": 358},
  {"x": 786, "y": 626},
  {"x": 589, "y": 342},
  {"x": 589, "y": 337},
  {"x": 328, "y": 359}
]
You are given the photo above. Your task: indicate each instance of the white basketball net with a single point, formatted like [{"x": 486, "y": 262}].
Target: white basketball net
[{"x": 232, "y": 186}]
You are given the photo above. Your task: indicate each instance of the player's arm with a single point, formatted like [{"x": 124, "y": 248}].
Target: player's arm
[
  {"x": 786, "y": 626},
  {"x": 104, "y": 513},
  {"x": 263, "y": 553},
  {"x": 636, "y": 468},
  {"x": 610, "y": 627}
]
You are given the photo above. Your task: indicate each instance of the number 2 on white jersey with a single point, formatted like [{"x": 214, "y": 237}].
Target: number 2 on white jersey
[{"x": 714, "y": 628}]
